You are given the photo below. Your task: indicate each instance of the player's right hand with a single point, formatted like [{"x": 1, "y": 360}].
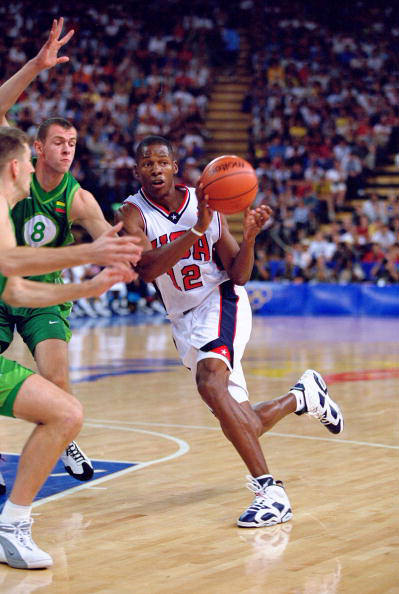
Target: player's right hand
[
  {"x": 48, "y": 55},
  {"x": 111, "y": 250}
]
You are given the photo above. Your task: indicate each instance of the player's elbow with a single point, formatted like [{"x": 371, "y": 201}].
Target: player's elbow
[
  {"x": 238, "y": 277},
  {"x": 240, "y": 281}
]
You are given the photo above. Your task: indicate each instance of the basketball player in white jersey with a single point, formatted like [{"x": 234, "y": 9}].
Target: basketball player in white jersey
[{"x": 200, "y": 270}]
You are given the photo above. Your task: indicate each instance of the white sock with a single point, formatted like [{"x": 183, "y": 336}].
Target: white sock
[
  {"x": 300, "y": 399},
  {"x": 15, "y": 513}
]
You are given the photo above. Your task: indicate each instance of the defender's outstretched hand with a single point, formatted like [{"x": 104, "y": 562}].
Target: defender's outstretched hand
[
  {"x": 46, "y": 58},
  {"x": 254, "y": 220},
  {"x": 111, "y": 250},
  {"x": 48, "y": 55},
  {"x": 104, "y": 280}
]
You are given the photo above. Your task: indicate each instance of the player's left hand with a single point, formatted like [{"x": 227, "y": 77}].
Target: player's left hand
[
  {"x": 105, "y": 279},
  {"x": 48, "y": 55},
  {"x": 205, "y": 212},
  {"x": 254, "y": 220}
]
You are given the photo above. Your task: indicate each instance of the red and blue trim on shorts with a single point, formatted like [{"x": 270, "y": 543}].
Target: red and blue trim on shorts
[{"x": 223, "y": 345}]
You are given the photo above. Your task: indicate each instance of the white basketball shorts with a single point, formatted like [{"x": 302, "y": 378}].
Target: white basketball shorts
[{"x": 218, "y": 327}]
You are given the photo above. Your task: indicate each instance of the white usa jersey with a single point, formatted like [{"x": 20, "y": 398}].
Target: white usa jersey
[{"x": 196, "y": 274}]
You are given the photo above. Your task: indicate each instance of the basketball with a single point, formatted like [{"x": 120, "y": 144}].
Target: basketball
[{"x": 231, "y": 184}]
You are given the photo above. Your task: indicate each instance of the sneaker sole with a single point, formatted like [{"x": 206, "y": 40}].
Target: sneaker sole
[
  {"x": 11, "y": 556},
  {"x": 272, "y": 522},
  {"x": 86, "y": 475},
  {"x": 335, "y": 429}
]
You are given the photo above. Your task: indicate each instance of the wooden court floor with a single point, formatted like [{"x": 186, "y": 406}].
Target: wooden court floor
[{"x": 167, "y": 524}]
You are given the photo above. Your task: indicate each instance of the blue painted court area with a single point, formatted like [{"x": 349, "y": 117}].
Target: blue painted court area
[
  {"x": 59, "y": 480},
  {"x": 134, "y": 319},
  {"x": 118, "y": 367}
]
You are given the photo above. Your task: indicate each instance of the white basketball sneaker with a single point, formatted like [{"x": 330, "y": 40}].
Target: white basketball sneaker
[
  {"x": 318, "y": 403},
  {"x": 270, "y": 506},
  {"x": 76, "y": 463},
  {"x": 17, "y": 548}
]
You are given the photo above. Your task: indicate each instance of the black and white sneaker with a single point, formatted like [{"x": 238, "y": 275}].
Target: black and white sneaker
[
  {"x": 318, "y": 403},
  {"x": 271, "y": 505},
  {"x": 76, "y": 463}
]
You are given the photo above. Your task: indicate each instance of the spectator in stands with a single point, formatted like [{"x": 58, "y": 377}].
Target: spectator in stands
[
  {"x": 321, "y": 245},
  {"x": 383, "y": 236},
  {"x": 261, "y": 270},
  {"x": 387, "y": 270},
  {"x": 336, "y": 190},
  {"x": 373, "y": 208},
  {"x": 288, "y": 271}
]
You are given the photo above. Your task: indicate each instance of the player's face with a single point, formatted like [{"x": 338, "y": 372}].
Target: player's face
[
  {"x": 155, "y": 170},
  {"x": 58, "y": 150},
  {"x": 24, "y": 175}
]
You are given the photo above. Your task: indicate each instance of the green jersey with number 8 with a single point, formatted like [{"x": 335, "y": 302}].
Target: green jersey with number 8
[{"x": 42, "y": 219}]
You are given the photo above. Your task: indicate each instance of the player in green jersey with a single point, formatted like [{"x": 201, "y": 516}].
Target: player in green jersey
[
  {"x": 57, "y": 415},
  {"x": 56, "y": 201}
]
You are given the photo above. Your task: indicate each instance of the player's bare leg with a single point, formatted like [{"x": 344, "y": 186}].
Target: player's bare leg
[
  {"x": 239, "y": 423},
  {"x": 242, "y": 426},
  {"x": 309, "y": 396},
  {"x": 272, "y": 411},
  {"x": 51, "y": 356},
  {"x": 58, "y": 417}
]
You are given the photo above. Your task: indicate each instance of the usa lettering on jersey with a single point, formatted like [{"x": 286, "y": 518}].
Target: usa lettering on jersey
[{"x": 196, "y": 274}]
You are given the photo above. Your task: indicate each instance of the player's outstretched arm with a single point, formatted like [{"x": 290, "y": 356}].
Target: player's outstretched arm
[
  {"x": 20, "y": 292},
  {"x": 108, "y": 250},
  {"x": 46, "y": 58},
  {"x": 86, "y": 212}
]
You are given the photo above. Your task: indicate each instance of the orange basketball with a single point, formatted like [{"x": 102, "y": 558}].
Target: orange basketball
[{"x": 230, "y": 183}]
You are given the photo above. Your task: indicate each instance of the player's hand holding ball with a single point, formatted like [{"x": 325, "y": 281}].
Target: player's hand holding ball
[
  {"x": 230, "y": 183},
  {"x": 205, "y": 212}
]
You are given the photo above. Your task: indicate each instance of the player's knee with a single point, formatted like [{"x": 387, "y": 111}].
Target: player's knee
[
  {"x": 209, "y": 387},
  {"x": 71, "y": 417}
]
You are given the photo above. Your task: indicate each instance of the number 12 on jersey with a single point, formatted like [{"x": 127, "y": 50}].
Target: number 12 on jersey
[{"x": 190, "y": 272}]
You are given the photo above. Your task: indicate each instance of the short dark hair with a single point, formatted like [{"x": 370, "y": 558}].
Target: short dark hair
[
  {"x": 44, "y": 127},
  {"x": 149, "y": 141},
  {"x": 12, "y": 144}
]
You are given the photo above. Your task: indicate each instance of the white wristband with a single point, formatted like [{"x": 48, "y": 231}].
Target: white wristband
[{"x": 194, "y": 230}]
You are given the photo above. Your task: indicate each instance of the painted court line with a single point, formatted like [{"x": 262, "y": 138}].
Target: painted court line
[
  {"x": 183, "y": 448},
  {"x": 272, "y": 433}
]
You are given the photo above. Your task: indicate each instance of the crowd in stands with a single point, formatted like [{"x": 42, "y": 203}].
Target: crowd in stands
[
  {"x": 134, "y": 70},
  {"x": 324, "y": 102},
  {"x": 324, "y": 105}
]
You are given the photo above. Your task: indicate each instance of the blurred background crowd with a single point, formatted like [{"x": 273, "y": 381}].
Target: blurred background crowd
[{"x": 323, "y": 102}]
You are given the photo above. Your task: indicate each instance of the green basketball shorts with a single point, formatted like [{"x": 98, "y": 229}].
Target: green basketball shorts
[
  {"x": 12, "y": 376},
  {"x": 34, "y": 325}
]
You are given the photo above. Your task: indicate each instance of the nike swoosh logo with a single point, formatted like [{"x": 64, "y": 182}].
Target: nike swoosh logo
[{"x": 53, "y": 322}]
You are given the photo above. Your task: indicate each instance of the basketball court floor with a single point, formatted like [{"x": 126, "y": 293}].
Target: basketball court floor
[{"x": 160, "y": 514}]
